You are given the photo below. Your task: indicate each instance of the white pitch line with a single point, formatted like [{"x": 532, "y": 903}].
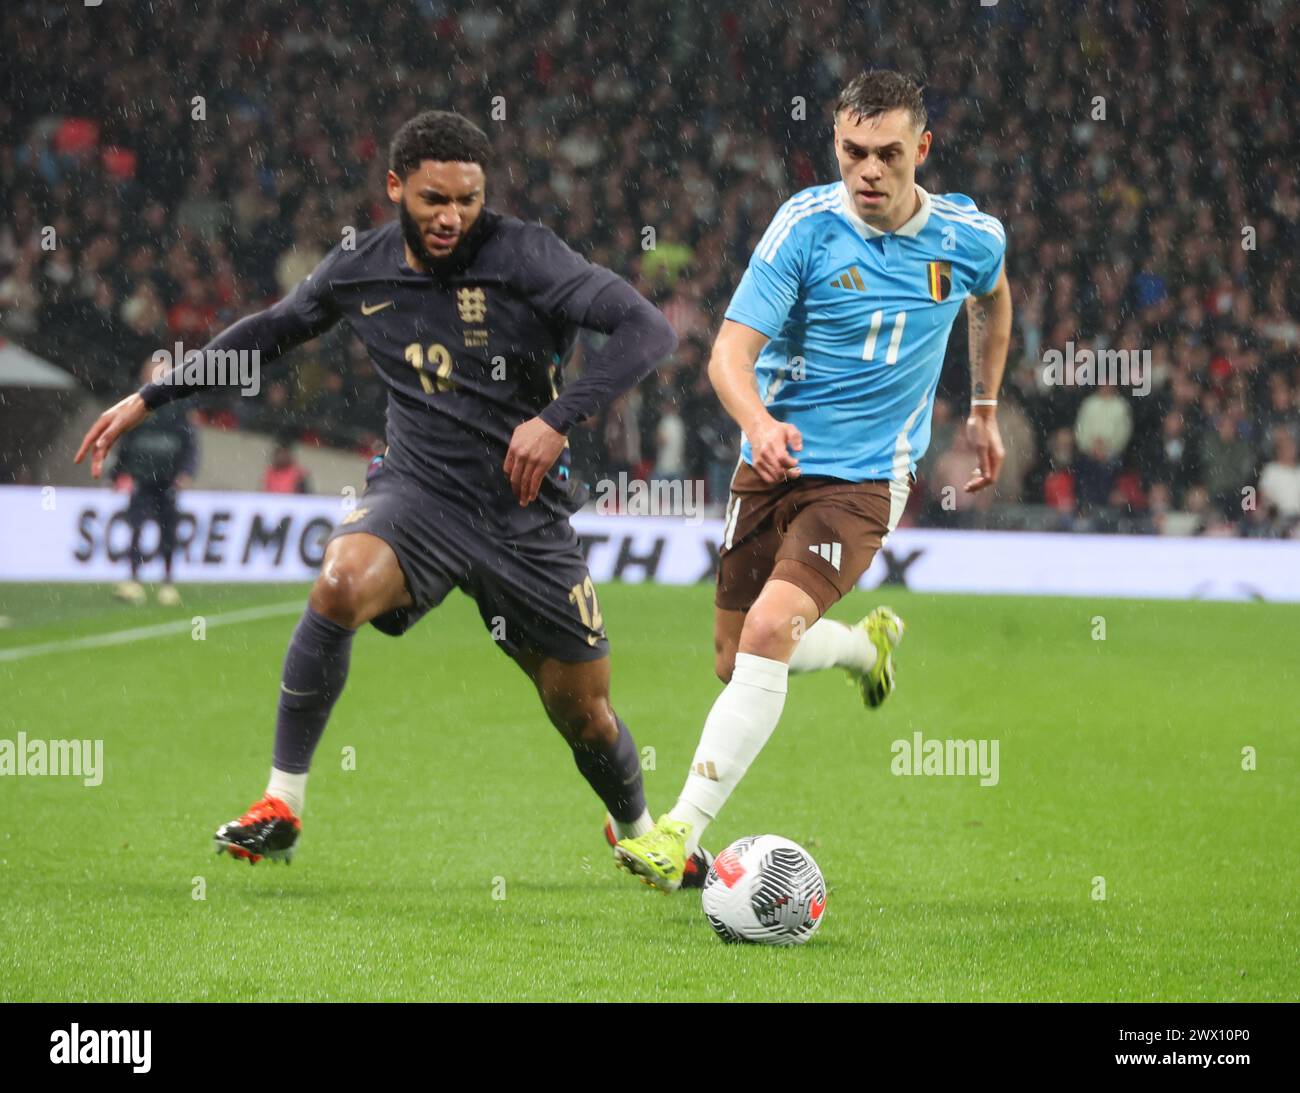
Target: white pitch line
[{"x": 144, "y": 633}]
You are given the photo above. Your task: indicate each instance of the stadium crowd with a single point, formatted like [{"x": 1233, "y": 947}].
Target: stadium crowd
[{"x": 1142, "y": 157}]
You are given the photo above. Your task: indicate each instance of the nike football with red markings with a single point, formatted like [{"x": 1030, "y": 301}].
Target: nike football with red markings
[{"x": 766, "y": 890}]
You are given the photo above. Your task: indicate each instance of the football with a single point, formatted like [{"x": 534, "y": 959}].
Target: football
[{"x": 766, "y": 890}]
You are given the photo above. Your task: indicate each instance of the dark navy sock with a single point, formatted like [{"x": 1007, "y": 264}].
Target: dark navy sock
[
  {"x": 315, "y": 669},
  {"x": 615, "y": 774},
  {"x": 135, "y": 554}
]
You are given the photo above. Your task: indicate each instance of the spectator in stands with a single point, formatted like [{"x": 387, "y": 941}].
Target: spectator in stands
[
  {"x": 193, "y": 317},
  {"x": 273, "y": 410},
  {"x": 143, "y": 322},
  {"x": 1175, "y": 462},
  {"x": 1104, "y": 425},
  {"x": 20, "y": 298},
  {"x": 330, "y": 408},
  {"x": 1096, "y": 472},
  {"x": 670, "y": 441},
  {"x": 1282, "y": 412},
  {"x": 1229, "y": 465},
  {"x": 622, "y": 435},
  {"x": 1059, "y": 488},
  {"x": 1279, "y": 481}
]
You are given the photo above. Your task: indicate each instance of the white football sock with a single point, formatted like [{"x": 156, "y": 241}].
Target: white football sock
[
  {"x": 740, "y": 723},
  {"x": 290, "y": 788},
  {"x": 830, "y": 644},
  {"x": 684, "y": 810},
  {"x": 630, "y": 829}
]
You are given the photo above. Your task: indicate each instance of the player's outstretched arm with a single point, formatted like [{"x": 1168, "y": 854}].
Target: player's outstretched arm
[
  {"x": 296, "y": 319},
  {"x": 988, "y": 321},
  {"x": 731, "y": 371}
]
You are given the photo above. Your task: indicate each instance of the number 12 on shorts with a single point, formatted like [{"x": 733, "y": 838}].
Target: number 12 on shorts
[{"x": 584, "y": 596}]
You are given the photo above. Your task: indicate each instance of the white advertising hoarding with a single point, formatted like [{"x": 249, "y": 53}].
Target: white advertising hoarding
[{"x": 67, "y": 534}]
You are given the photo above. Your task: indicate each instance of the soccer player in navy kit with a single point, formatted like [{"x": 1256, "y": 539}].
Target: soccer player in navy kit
[
  {"x": 160, "y": 458},
  {"x": 467, "y": 315}
]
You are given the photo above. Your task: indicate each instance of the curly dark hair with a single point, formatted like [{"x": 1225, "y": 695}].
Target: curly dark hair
[
  {"x": 879, "y": 90},
  {"x": 440, "y": 135}
]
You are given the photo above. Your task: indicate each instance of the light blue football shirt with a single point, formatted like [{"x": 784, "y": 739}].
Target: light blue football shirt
[{"x": 859, "y": 320}]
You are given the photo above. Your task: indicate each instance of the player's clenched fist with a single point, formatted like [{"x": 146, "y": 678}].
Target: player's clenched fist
[
  {"x": 773, "y": 444},
  {"x": 534, "y": 448},
  {"x": 112, "y": 423}
]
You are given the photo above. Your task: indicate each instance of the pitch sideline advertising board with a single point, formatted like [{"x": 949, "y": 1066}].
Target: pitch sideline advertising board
[{"x": 74, "y": 534}]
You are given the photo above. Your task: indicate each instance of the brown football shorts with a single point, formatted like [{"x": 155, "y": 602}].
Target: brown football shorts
[{"x": 817, "y": 533}]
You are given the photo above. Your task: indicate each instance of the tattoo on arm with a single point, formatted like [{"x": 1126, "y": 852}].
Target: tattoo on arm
[{"x": 976, "y": 329}]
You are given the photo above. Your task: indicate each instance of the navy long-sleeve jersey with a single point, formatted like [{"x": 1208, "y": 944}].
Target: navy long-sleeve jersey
[
  {"x": 469, "y": 353},
  {"x": 159, "y": 451}
]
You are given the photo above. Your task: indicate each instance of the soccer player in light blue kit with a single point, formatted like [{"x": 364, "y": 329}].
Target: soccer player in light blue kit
[{"x": 828, "y": 359}]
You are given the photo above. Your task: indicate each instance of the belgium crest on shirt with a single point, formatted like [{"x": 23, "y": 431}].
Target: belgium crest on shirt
[{"x": 938, "y": 279}]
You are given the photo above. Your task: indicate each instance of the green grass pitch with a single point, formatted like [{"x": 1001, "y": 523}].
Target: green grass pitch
[{"x": 1119, "y": 758}]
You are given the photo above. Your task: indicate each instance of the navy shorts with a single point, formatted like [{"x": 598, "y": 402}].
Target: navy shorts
[
  {"x": 533, "y": 592},
  {"x": 156, "y": 503}
]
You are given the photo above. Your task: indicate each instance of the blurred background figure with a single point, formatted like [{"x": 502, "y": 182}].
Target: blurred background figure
[
  {"x": 285, "y": 474},
  {"x": 154, "y": 462},
  {"x": 1279, "y": 481}
]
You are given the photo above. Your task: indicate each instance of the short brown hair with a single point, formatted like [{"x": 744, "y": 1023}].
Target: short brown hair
[{"x": 879, "y": 90}]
